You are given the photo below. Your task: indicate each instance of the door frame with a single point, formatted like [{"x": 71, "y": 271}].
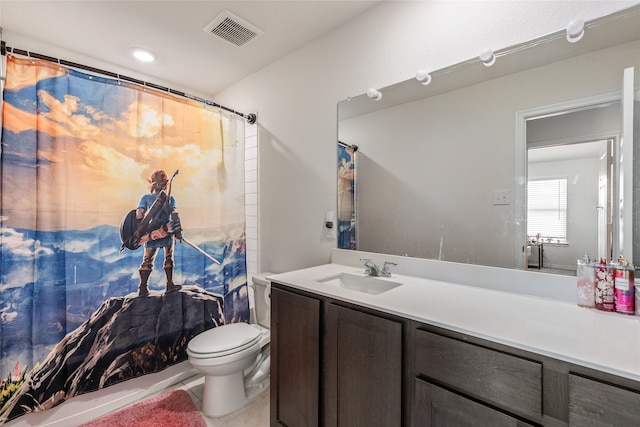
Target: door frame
[{"x": 521, "y": 160}]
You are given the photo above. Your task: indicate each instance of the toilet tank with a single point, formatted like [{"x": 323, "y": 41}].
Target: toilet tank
[{"x": 262, "y": 298}]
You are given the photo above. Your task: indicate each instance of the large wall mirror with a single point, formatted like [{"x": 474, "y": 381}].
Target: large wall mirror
[{"x": 524, "y": 164}]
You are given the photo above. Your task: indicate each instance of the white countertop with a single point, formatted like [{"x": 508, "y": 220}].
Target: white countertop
[{"x": 608, "y": 342}]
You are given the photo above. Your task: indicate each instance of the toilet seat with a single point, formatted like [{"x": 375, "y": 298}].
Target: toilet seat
[{"x": 223, "y": 340}]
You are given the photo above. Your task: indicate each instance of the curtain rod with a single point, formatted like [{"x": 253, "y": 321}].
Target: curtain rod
[
  {"x": 344, "y": 144},
  {"x": 250, "y": 118}
]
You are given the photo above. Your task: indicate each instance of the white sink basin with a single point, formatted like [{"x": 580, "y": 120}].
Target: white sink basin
[{"x": 366, "y": 284}]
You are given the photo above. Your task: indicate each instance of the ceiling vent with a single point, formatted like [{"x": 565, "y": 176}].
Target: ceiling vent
[{"x": 232, "y": 29}]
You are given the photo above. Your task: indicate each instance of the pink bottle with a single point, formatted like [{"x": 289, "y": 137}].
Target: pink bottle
[
  {"x": 604, "y": 289},
  {"x": 586, "y": 283},
  {"x": 624, "y": 287}
]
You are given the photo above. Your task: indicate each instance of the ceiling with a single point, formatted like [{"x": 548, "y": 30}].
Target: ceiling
[
  {"x": 187, "y": 56},
  {"x": 559, "y": 153}
]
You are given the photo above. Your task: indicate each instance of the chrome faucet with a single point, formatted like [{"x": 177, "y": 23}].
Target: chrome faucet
[{"x": 372, "y": 269}]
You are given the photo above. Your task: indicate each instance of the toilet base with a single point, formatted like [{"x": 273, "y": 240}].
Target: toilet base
[{"x": 223, "y": 395}]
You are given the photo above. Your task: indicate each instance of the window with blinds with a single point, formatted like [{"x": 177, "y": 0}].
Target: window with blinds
[{"x": 547, "y": 209}]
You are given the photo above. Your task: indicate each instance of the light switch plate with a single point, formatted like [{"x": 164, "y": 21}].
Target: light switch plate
[{"x": 501, "y": 197}]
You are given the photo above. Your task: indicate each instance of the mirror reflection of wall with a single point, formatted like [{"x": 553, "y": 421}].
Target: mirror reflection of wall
[{"x": 429, "y": 168}]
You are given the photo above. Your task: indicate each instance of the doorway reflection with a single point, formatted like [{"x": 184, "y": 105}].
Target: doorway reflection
[
  {"x": 568, "y": 204},
  {"x": 572, "y": 181}
]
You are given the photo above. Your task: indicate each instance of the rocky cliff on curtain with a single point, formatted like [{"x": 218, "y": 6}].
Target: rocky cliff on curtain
[{"x": 125, "y": 338}]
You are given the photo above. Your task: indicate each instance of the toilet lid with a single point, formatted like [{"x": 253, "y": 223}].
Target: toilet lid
[{"x": 224, "y": 340}]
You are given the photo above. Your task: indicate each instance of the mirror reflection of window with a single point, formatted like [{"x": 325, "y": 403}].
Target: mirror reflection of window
[{"x": 547, "y": 210}]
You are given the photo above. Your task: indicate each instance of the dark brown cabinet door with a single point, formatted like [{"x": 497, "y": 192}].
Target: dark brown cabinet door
[
  {"x": 363, "y": 369},
  {"x": 437, "y": 407},
  {"x": 295, "y": 357}
]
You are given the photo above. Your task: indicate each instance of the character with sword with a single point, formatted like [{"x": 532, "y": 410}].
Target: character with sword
[{"x": 155, "y": 223}]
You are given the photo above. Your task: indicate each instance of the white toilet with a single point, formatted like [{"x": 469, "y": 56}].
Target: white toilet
[{"x": 235, "y": 358}]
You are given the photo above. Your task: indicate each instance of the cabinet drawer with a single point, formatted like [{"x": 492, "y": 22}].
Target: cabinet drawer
[
  {"x": 593, "y": 403},
  {"x": 500, "y": 379},
  {"x": 436, "y": 406}
]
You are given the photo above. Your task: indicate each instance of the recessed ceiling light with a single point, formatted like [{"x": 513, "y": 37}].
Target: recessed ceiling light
[{"x": 142, "y": 54}]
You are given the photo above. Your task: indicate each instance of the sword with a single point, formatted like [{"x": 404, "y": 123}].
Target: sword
[{"x": 194, "y": 246}]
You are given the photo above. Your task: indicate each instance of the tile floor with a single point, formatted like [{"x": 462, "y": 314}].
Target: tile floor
[{"x": 256, "y": 414}]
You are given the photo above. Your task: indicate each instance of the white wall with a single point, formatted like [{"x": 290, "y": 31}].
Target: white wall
[{"x": 296, "y": 98}]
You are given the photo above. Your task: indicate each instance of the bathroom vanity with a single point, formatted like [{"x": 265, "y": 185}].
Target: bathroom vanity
[{"x": 422, "y": 351}]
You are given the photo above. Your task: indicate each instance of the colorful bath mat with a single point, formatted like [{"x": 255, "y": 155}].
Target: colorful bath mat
[{"x": 174, "y": 408}]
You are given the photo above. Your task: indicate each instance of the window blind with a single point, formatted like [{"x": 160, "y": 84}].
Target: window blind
[{"x": 547, "y": 208}]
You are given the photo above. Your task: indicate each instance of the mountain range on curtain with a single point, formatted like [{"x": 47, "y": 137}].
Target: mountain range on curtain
[{"x": 77, "y": 151}]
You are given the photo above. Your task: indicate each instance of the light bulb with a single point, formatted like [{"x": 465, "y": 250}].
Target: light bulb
[
  {"x": 487, "y": 57},
  {"x": 423, "y": 77},
  {"x": 575, "y": 30},
  {"x": 375, "y": 94}
]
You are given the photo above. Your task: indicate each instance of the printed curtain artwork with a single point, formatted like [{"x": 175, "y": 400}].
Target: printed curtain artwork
[
  {"x": 78, "y": 154},
  {"x": 346, "y": 195}
]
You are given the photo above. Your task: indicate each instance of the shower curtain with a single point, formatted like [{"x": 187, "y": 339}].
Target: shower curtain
[
  {"x": 346, "y": 197},
  {"x": 76, "y": 155}
]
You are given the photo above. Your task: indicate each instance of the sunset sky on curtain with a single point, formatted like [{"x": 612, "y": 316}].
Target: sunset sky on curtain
[{"x": 111, "y": 138}]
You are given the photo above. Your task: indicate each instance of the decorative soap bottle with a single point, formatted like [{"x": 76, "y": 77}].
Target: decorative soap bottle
[
  {"x": 586, "y": 283},
  {"x": 604, "y": 291},
  {"x": 624, "y": 287}
]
